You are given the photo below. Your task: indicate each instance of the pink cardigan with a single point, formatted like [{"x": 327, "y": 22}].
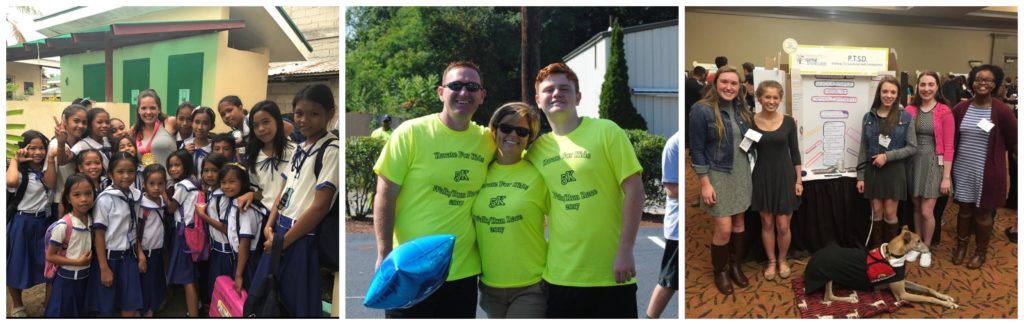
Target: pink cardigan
[{"x": 944, "y": 130}]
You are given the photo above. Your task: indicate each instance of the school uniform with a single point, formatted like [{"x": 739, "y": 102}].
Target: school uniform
[
  {"x": 267, "y": 174},
  {"x": 25, "y": 254},
  {"x": 154, "y": 282},
  {"x": 89, "y": 143},
  {"x": 63, "y": 171},
  {"x": 69, "y": 284},
  {"x": 244, "y": 225},
  {"x": 199, "y": 153},
  {"x": 221, "y": 261},
  {"x": 182, "y": 270},
  {"x": 116, "y": 213},
  {"x": 299, "y": 269}
]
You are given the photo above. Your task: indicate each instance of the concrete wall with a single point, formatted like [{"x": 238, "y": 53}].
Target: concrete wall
[
  {"x": 283, "y": 92},
  {"x": 744, "y": 38},
  {"x": 71, "y": 65},
  {"x": 320, "y": 27},
  {"x": 39, "y": 115},
  {"x": 22, "y": 73},
  {"x": 239, "y": 73}
]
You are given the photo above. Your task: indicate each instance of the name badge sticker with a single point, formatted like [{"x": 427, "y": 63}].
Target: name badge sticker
[
  {"x": 884, "y": 140},
  {"x": 986, "y": 125}
]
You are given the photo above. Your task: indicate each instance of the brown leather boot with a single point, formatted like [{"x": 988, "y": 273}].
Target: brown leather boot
[
  {"x": 983, "y": 234},
  {"x": 720, "y": 262},
  {"x": 876, "y": 234},
  {"x": 963, "y": 234},
  {"x": 890, "y": 230},
  {"x": 738, "y": 249}
]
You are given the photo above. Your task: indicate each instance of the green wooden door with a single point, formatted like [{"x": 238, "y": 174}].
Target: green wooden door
[
  {"x": 136, "y": 79},
  {"x": 94, "y": 82},
  {"x": 184, "y": 80}
]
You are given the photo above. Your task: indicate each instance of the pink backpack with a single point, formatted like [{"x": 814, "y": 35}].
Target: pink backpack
[
  {"x": 50, "y": 271},
  {"x": 195, "y": 237}
]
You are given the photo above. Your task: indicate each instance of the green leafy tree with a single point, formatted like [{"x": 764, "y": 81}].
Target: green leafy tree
[
  {"x": 360, "y": 181},
  {"x": 616, "y": 103},
  {"x": 13, "y": 138}
]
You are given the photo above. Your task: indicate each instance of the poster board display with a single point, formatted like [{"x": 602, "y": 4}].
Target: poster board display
[
  {"x": 840, "y": 60},
  {"x": 829, "y": 111}
]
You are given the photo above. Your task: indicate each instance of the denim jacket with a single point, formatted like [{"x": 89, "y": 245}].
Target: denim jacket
[
  {"x": 703, "y": 139},
  {"x": 903, "y": 143}
]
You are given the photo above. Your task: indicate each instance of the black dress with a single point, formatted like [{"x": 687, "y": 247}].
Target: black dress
[
  {"x": 774, "y": 176},
  {"x": 847, "y": 267}
]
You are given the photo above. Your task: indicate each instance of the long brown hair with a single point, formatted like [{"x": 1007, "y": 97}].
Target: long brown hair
[
  {"x": 711, "y": 99},
  {"x": 894, "y": 112},
  {"x": 917, "y": 100}
]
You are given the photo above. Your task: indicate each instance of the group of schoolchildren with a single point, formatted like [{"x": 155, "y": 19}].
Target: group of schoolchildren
[{"x": 123, "y": 231}]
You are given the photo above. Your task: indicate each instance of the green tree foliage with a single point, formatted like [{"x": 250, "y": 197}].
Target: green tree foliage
[
  {"x": 360, "y": 181},
  {"x": 616, "y": 99},
  {"x": 395, "y": 55},
  {"x": 648, "y": 149}
]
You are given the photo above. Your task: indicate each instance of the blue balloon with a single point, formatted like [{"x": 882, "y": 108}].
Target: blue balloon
[{"x": 411, "y": 272}]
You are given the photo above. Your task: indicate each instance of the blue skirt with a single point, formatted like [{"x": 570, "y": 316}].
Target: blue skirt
[
  {"x": 181, "y": 270},
  {"x": 154, "y": 282},
  {"x": 126, "y": 292},
  {"x": 220, "y": 264},
  {"x": 67, "y": 298},
  {"x": 299, "y": 275},
  {"x": 26, "y": 252}
]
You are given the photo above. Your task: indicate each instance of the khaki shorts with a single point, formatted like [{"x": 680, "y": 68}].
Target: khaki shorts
[{"x": 523, "y": 302}]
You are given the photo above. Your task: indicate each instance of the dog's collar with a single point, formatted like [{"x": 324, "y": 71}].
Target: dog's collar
[{"x": 893, "y": 259}]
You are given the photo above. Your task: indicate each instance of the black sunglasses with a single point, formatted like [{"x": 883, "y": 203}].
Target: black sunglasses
[
  {"x": 520, "y": 131},
  {"x": 470, "y": 86}
]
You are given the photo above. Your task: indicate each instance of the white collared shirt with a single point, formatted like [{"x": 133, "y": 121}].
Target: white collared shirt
[
  {"x": 267, "y": 174},
  {"x": 153, "y": 229},
  {"x": 112, "y": 213},
  {"x": 63, "y": 171},
  {"x": 249, "y": 221},
  {"x": 36, "y": 194},
  {"x": 81, "y": 241},
  {"x": 186, "y": 194},
  {"x": 300, "y": 177},
  {"x": 217, "y": 208},
  {"x": 199, "y": 153}
]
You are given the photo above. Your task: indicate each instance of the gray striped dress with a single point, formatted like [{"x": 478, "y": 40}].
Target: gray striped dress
[{"x": 969, "y": 164}]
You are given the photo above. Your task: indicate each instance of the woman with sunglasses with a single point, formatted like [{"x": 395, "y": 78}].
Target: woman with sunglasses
[
  {"x": 888, "y": 138},
  {"x": 715, "y": 129},
  {"x": 509, "y": 217},
  {"x": 986, "y": 132}
]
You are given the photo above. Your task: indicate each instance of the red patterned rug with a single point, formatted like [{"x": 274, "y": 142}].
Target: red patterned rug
[{"x": 870, "y": 303}]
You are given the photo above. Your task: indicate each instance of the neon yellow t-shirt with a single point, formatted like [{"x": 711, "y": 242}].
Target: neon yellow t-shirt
[
  {"x": 584, "y": 171},
  {"x": 509, "y": 217},
  {"x": 380, "y": 133},
  {"x": 440, "y": 172}
]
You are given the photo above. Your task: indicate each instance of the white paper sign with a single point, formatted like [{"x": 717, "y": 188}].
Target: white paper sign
[{"x": 840, "y": 60}]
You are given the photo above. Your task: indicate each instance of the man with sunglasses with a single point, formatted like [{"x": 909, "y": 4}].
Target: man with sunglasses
[
  {"x": 428, "y": 175},
  {"x": 597, "y": 198}
]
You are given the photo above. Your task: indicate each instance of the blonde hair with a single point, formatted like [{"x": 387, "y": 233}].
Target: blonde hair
[
  {"x": 521, "y": 109},
  {"x": 711, "y": 99}
]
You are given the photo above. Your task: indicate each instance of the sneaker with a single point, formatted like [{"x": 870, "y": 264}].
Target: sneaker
[
  {"x": 912, "y": 256},
  {"x": 926, "y": 259}
]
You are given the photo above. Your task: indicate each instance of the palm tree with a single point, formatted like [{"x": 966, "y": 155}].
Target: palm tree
[{"x": 13, "y": 22}]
